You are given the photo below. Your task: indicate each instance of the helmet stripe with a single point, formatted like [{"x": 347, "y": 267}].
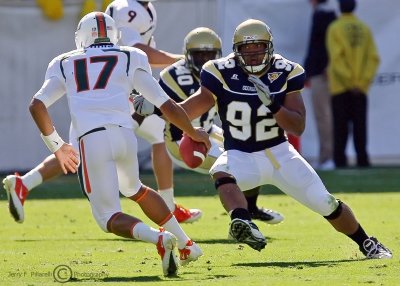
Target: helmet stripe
[{"x": 101, "y": 25}]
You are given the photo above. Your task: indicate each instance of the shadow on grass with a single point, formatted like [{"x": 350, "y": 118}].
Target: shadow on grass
[
  {"x": 199, "y": 241},
  {"x": 298, "y": 264},
  {"x": 133, "y": 279},
  {"x": 158, "y": 279}
]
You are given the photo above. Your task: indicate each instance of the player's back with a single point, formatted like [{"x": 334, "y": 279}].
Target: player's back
[
  {"x": 136, "y": 23},
  {"x": 98, "y": 81}
]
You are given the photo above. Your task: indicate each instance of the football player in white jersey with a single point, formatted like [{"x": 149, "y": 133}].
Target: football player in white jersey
[
  {"x": 258, "y": 97},
  {"x": 180, "y": 81},
  {"x": 137, "y": 21},
  {"x": 97, "y": 79}
]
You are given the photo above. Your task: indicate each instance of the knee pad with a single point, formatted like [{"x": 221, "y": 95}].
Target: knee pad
[
  {"x": 336, "y": 213},
  {"x": 224, "y": 180}
]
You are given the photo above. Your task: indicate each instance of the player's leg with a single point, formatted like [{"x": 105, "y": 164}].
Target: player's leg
[
  {"x": 305, "y": 186},
  {"x": 100, "y": 152},
  {"x": 152, "y": 204},
  {"x": 266, "y": 215},
  {"x": 152, "y": 129},
  {"x": 18, "y": 187},
  {"x": 227, "y": 174}
]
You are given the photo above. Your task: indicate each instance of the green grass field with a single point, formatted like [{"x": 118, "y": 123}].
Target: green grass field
[{"x": 60, "y": 235}]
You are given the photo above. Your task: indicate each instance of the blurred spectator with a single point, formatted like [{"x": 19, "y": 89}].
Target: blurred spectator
[
  {"x": 315, "y": 66},
  {"x": 353, "y": 61}
]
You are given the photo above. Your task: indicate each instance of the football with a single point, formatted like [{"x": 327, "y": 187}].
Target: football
[{"x": 193, "y": 153}]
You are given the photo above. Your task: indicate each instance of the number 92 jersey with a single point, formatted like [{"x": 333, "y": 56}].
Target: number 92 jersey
[{"x": 248, "y": 125}]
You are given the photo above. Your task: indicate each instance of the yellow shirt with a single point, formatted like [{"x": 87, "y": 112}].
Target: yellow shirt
[{"x": 353, "y": 57}]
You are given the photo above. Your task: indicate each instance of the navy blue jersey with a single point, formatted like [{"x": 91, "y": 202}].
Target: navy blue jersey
[
  {"x": 248, "y": 124},
  {"x": 179, "y": 83}
]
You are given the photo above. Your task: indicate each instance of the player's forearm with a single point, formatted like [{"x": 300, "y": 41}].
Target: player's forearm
[
  {"x": 41, "y": 116},
  {"x": 177, "y": 116},
  {"x": 291, "y": 121},
  {"x": 158, "y": 58}
]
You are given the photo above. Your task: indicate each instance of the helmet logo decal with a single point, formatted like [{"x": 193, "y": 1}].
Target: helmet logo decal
[
  {"x": 250, "y": 38},
  {"x": 101, "y": 25},
  {"x": 273, "y": 76}
]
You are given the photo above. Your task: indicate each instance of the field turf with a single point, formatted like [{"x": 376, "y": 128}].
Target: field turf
[{"x": 60, "y": 237}]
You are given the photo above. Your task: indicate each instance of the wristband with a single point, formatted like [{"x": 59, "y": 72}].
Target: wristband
[
  {"x": 53, "y": 141},
  {"x": 274, "y": 107}
]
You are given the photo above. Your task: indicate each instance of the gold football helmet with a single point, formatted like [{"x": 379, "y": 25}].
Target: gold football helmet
[
  {"x": 201, "y": 45},
  {"x": 253, "y": 32}
]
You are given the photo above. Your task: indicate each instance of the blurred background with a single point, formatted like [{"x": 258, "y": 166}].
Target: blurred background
[{"x": 29, "y": 40}]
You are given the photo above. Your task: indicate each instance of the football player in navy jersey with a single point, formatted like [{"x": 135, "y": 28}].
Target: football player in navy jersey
[
  {"x": 258, "y": 97},
  {"x": 180, "y": 81}
]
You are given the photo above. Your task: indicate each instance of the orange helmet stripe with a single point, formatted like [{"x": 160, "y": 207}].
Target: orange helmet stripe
[{"x": 101, "y": 25}]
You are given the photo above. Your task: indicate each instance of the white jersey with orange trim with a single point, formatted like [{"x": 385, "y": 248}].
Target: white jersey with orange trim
[
  {"x": 97, "y": 81},
  {"x": 136, "y": 23}
]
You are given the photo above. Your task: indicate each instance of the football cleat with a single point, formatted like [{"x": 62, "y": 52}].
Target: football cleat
[
  {"x": 184, "y": 215},
  {"x": 373, "y": 249},
  {"x": 267, "y": 216},
  {"x": 191, "y": 252},
  {"x": 247, "y": 232},
  {"x": 165, "y": 248},
  {"x": 16, "y": 195}
]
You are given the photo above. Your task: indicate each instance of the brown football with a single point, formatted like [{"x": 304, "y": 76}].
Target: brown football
[{"x": 193, "y": 153}]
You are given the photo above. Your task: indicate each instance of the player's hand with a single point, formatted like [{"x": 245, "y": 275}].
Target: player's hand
[
  {"x": 68, "y": 158},
  {"x": 262, "y": 90},
  {"x": 142, "y": 106},
  {"x": 201, "y": 135},
  {"x": 264, "y": 94}
]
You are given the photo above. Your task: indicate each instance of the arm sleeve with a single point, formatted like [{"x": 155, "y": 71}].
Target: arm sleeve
[
  {"x": 53, "y": 87},
  {"x": 129, "y": 37},
  {"x": 147, "y": 85}
]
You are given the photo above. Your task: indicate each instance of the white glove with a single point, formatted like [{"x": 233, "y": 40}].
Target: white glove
[
  {"x": 262, "y": 90},
  {"x": 142, "y": 106},
  {"x": 264, "y": 94}
]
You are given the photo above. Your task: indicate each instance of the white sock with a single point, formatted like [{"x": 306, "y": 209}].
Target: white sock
[
  {"x": 32, "y": 179},
  {"x": 168, "y": 197},
  {"x": 144, "y": 232},
  {"x": 173, "y": 226}
]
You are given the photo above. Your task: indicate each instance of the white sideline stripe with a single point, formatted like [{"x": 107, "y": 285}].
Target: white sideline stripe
[{"x": 199, "y": 154}]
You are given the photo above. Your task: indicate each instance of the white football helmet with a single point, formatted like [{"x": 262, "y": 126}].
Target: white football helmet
[
  {"x": 96, "y": 27},
  {"x": 249, "y": 32}
]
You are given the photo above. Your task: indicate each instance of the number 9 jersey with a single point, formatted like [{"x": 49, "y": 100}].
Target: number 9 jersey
[{"x": 248, "y": 125}]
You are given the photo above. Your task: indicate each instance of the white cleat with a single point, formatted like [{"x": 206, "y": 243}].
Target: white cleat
[
  {"x": 373, "y": 249},
  {"x": 16, "y": 195},
  {"x": 191, "y": 252},
  {"x": 165, "y": 247}
]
